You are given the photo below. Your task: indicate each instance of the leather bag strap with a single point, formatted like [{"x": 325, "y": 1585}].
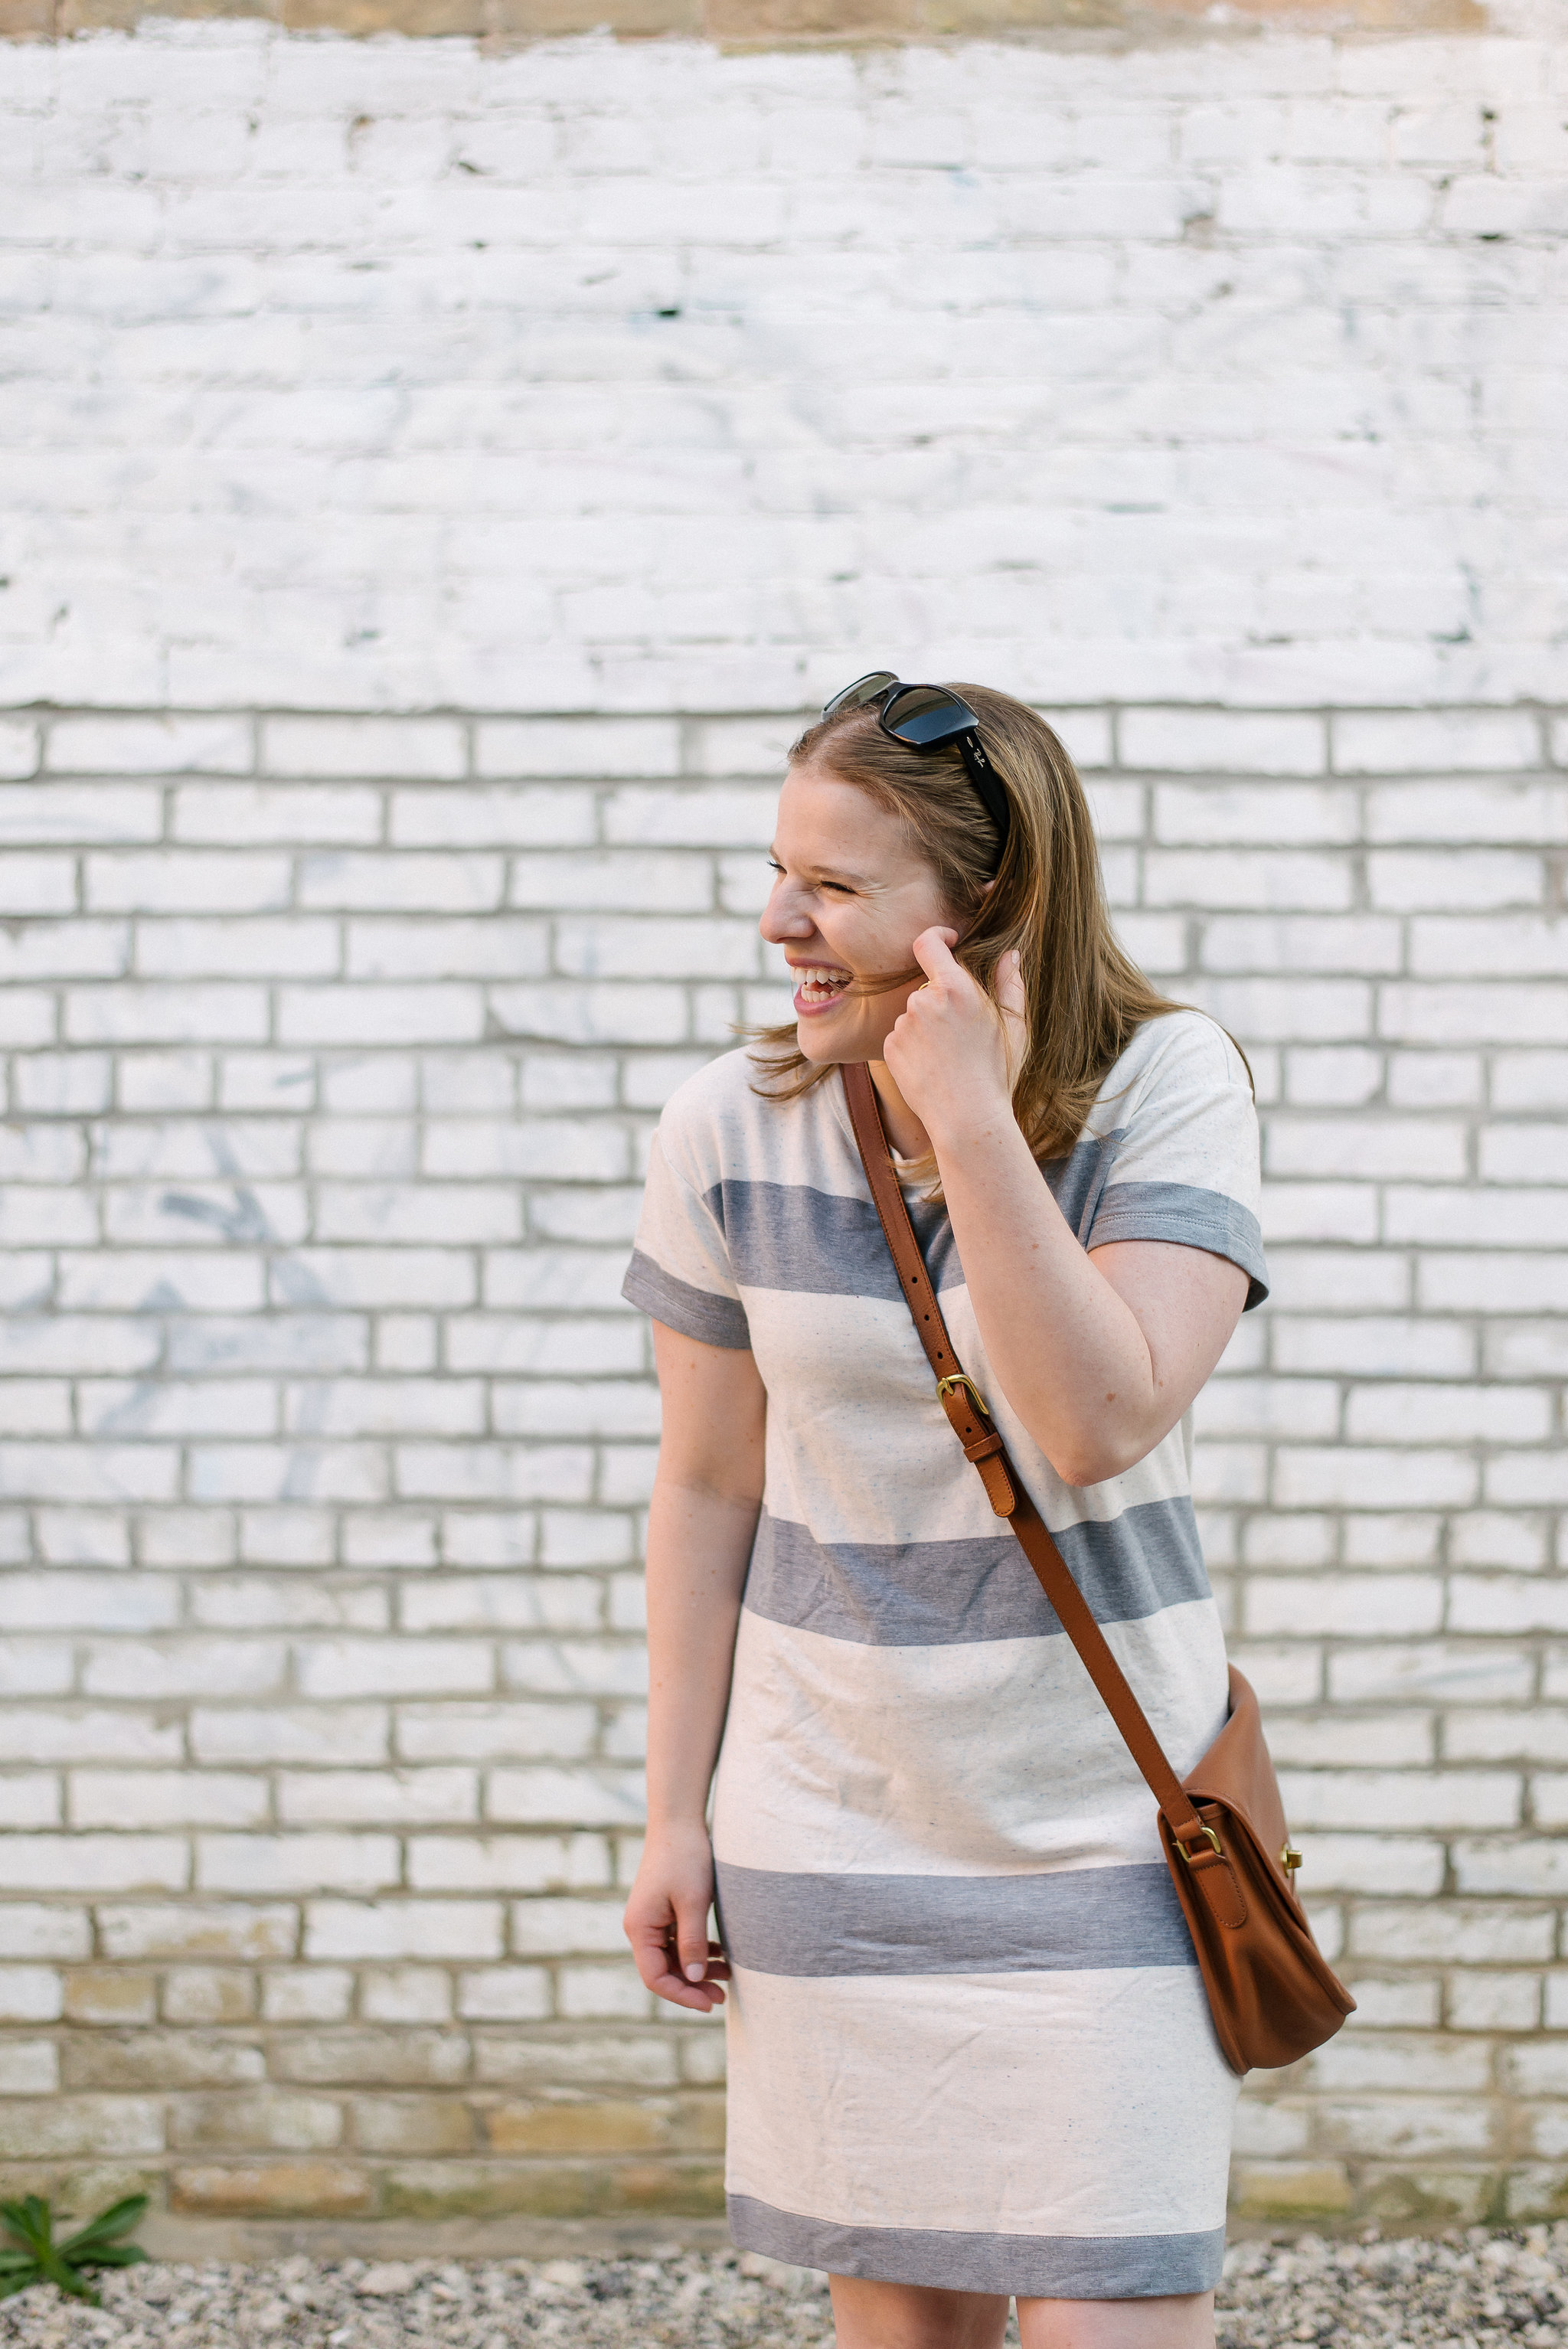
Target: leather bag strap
[{"x": 971, "y": 1422}]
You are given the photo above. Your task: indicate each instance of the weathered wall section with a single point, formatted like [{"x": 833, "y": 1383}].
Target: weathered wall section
[
  {"x": 1187, "y": 389},
  {"x": 334, "y": 1045},
  {"x": 636, "y": 376}
]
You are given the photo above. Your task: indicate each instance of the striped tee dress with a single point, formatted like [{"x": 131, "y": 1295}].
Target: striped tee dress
[{"x": 968, "y": 2041}]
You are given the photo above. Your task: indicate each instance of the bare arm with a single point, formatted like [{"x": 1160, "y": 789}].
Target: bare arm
[
  {"x": 707, "y": 1494},
  {"x": 1099, "y": 1354}
]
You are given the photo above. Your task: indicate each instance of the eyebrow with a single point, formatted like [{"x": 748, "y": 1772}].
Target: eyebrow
[{"x": 826, "y": 872}]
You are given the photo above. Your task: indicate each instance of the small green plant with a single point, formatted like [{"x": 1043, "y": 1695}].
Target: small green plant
[{"x": 43, "y": 2261}]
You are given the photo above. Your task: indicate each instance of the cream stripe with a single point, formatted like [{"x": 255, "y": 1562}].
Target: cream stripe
[
  {"x": 985, "y": 1758},
  {"x": 1060, "y": 2104}
]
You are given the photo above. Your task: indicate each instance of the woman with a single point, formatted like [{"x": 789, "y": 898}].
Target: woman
[{"x": 970, "y": 2053}]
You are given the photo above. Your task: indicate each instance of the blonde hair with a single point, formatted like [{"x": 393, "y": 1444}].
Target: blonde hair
[{"x": 1086, "y": 998}]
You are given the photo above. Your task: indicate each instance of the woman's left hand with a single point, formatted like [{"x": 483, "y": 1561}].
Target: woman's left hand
[{"x": 952, "y": 1052}]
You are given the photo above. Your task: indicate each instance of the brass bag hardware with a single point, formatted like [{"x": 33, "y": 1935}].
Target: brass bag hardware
[{"x": 944, "y": 1387}]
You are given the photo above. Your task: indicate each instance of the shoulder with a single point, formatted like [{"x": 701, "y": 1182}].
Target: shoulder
[
  {"x": 1182, "y": 1053},
  {"x": 714, "y": 1116}
]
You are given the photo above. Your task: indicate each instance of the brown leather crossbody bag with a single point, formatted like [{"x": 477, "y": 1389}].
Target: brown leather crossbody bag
[{"x": 1271, "y": 1994}]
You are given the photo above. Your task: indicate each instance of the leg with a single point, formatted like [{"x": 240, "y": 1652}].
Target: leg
[
  {"x": 1181, "y": 2321},
  {"x": 915, "y": 2316}
]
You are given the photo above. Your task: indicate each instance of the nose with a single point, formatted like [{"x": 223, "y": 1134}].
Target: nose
[{"x": 784, "y": 917}]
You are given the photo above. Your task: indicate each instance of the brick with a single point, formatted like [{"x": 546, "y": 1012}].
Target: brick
[
  {"x": 317, "y": 747},
  {"x": 493, "y": 815},
  {"x": 1379, "y": 742},
  {"x": 260, "y": 814},
  {"x": 37, "y": 815},
  {"x": 504, "y": 1864},
  {"x": 160, "y": 2060},
  {"x": 258, "y": 946},
  {"x": 1196, "y": 741},
  {"x": 150, "y": 746},
  {"x": 1527, "y": 1864},
  {"x": 265, "y": 2119},
  {"x": 1280, "y": 880},
  {"x": 511, "y": 1731},
  {"x": 394, "y": 1994},
  {"x": 28, "y": 2067},
  {"x": 571, "y": 747},
  {"x": 1493, "y": 814},
  {"x": 1302, "y": 943},
  {"x": 153, "y": 1013},
  {"x": 228, "y": 1930},
  {"x": 1374, "y": 1148},
  {"x": 307, "y": 1994},
  {"x": 19, "y": 742},
  {"x": 190, "y": 881},
  {"x": 1494, "y": 2002},
  {"x": 543, "y": 1795},
  {"x": 113, "y": 1998},
  {"x": 1443, "y": 1798},
  {"x": 160, "y": 1798},
  {"x": 1414, "y": 880},
  {"x": 64, "y": 2126},
  {"x": 1449, "y": 1671},
  {"x": 465, "y": 1931},
  {"x": 403, "y": 1798},
  {"x": 1374, "y": 1476},
  {"x": 311, "y": 2189},
  {"x": 504, "y": 1994},
  {"x": 1427, "y": 1413},
  {"x": 30, "y": 1993},
  {"x": 93, "y": 1863},
  {"x": 204, "y": 1995}
]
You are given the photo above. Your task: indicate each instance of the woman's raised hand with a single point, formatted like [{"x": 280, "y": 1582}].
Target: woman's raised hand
[{"x": 952, "y": 1052}]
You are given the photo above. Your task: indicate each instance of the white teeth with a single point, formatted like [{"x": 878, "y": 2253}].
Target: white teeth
[{"x": 822, "y": 981}]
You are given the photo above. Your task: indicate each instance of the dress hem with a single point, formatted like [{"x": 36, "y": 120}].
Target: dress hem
[{"x": 1046, "y": 2267}]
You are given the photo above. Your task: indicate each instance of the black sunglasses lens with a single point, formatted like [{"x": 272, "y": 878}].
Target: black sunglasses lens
[
  {"x": 923, "y": 714},
  {"x": 865, "y": 688}
]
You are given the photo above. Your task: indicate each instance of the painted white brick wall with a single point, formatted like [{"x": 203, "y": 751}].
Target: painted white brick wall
[
  {"x": 466, "y": 465},
  {"x": 641, "y": 377},
  {"x": 326, "y": 1435}
]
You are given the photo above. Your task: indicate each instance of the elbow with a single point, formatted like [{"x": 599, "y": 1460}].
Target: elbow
[
  {"x": 1094, "y": 1457},
  {"x": 1093, "y": 1466}
]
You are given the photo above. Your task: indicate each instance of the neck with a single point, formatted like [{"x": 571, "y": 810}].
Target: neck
[{"x": 903, "y": 1129}]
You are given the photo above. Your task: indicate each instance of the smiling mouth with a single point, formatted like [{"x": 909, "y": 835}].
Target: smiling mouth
[{"x": 820, "y": 986}]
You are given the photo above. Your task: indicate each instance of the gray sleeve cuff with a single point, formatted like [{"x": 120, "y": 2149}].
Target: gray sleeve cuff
[
  {"x": 1181, "y": 1213},
  {"x": 695, "y": 1312}
]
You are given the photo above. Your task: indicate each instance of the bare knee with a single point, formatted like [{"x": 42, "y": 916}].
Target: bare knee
[{"x": 913, "y": 2316}]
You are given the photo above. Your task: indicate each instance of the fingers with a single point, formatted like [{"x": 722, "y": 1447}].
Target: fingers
[
  {"x": 933, "y": 950},
  {"x": 675, "y": 1961},
  {"x": 691, "y": 1938},
  {"x": 1011, "y": 993}
]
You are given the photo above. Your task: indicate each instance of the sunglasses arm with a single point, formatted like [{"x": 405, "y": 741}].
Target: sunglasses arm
[{"x": 983, "y": 775}]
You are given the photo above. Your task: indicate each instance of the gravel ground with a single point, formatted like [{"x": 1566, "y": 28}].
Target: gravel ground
[{"x": 1455, "y": 2291}]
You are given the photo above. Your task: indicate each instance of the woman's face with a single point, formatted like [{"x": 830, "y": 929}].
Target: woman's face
[{"x": 851, "y": 897}]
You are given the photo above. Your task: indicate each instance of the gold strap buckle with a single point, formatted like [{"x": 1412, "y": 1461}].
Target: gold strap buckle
[
  {"x": 1207, "y": 1830},
  {"x": 1290, "y": 1860},
  {"x": 944, "y": 1387}
]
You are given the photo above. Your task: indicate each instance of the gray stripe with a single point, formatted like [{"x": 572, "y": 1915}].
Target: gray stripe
[
  {"x": 789, "y": 1236},
  {"x": 1050, "y": 2266},
  {"x": 1192, "y": 1217},
  {"x": 943, "y": 1594},
  {"x": 695, "y": 1312},
  {"x": 1056, "y": 1920}
]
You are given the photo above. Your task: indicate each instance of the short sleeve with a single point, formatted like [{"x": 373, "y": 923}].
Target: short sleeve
[
  {"x": 1186, "y": 1165},
  {"x": 680, "y": 1270}
]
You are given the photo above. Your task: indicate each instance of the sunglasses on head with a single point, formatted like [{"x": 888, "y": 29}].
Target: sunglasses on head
[{"x": 928, "y": 717}]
